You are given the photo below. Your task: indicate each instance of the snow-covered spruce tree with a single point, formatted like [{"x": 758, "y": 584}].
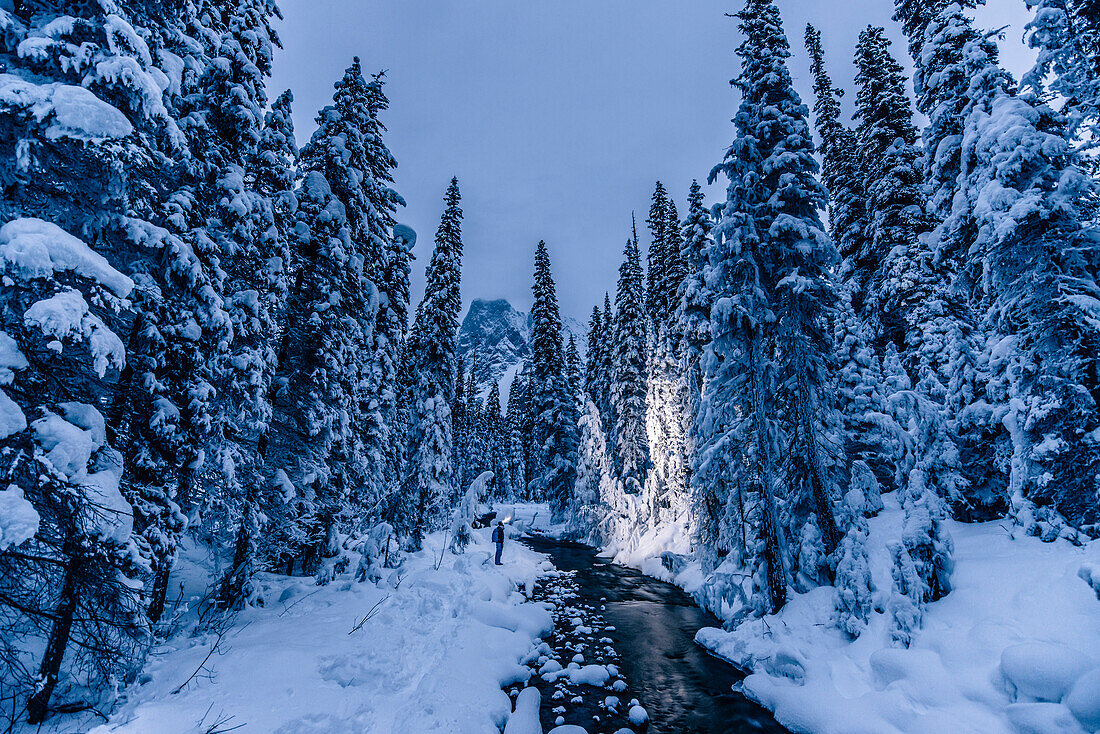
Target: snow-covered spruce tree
[
  {"x": 551, "y": 403},
  {"x": 854, "y": 586},
  {"x": 628, "y": 373},
  {"x": 429, "y": 475},
  {"x": 1066, "y": 34},
  {"x": 476, "y": 432},
  {"x": 666, "y": 397},
  {"x": 460, "y": 422},
  {"x": 842, "y": 174},
  {"x": 573, "y": 371},
  {"x": 466, "y": 511},
  {"x": 912, "y": 305},
  {"x": 257, "y": 340},
  {"x": 1038, "y": 259},
  {"x": 795, "y": 259},
  {"x": 391, "y": 325},
  {"x": 607, "y": 354},
  {"x": 952, "y": 338},
  {"x": 88, "y": 145},
  {"x": 497, "y": 438},
  {"x": 237, "y": 233},
  {"x": 892, "y": 184},
  {"x": 589, "y": 508},
  {"x": 693, "y": 306},
  {"x": 739, "y": 445},
  {"x": 310, "y": 435},
  {"x": 594, "y": 357},
  {"x": 341, "y": 149},
  {"x": 658, "y": 254},
  {"x": 514, "y": 457}
]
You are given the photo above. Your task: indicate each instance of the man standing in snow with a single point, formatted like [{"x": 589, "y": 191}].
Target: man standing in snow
[{"x": 498, "y": 538}]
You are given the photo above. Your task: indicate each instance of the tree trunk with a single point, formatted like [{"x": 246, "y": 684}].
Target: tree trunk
[
  {"x": 823, "y": 503},
  {"x": 770, "y": 528},
  {"x": 232, "y": 591},
  {"x": 158, "y": 596},
  {"x": 38, "y": 704}
]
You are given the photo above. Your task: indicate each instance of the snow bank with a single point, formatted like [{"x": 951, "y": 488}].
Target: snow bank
[
  {"x": 432, "y": 656},
  {"x": 1014, "y": 648}
]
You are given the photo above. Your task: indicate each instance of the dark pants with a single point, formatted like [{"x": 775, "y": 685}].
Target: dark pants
[{"x": 500, "y": 549}]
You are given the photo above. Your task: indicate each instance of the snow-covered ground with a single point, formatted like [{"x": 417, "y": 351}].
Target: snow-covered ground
[
  {"x": 1013, "y": 649},
  {"x": 432, "y": 656}
]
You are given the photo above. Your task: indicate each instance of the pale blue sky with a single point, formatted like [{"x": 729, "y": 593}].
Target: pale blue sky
[{"x": 557, "y": 116}]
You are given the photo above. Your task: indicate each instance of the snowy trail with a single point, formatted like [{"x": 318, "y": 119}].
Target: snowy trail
[
  {"x": 641, "y": 630},
  {"x": 432, "y": 657}
]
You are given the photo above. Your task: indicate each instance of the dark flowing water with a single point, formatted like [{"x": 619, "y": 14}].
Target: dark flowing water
[{"x": 684, "y": 689}]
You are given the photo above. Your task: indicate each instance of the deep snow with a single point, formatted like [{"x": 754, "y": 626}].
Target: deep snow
[
  {"x": 433, "y": 655},
  {"x": 1013, "y": 649}
]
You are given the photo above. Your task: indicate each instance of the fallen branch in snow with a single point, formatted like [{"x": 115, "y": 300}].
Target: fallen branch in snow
[
  {"x": 369, "y": 615},
  {"x": 287, "y": 609},
  {"x": 219, "y": 726},
  {"x": 205, "y": 660}
]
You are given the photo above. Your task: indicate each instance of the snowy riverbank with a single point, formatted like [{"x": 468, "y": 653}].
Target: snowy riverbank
[
  {"x": 433, "y": 655},
  {"x": 1011, "y": 650}
]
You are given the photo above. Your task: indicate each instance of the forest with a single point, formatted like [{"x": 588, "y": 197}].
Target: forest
[{"x": 209, "y": 347}]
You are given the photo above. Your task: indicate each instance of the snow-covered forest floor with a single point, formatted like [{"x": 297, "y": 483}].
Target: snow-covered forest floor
[
  {"x": 1009, "y": 650},
  {"x": 432, "y": 655}
]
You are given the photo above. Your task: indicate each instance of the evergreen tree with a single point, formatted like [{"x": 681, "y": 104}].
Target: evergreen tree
[
  {"x": 628, "y": 373},
  {"x": 90, "y": 158},
  {"x": 573, "y": 369},
  {"x": 551, "y": 401},
  {"x": 951, "y": 345},
  {"x": 594, "y": 358},
  {"x": 658, "y": 254},
  {"x": 842, "y": 174},
  {"x": 429, "y": 479},
  {"x": 341, "y": 149},
  {"x": 1038, "y": 258},
  {"x": 271, "y": 178},
  {"x": 693, "y": 309},
  {"x": 497, "y": 439},
  {"x": 1067, "y": 36},
  {"x": 517, "y": 469},
  {"x": 769, "y": 355},
  {"x": 858, "y": 385}
]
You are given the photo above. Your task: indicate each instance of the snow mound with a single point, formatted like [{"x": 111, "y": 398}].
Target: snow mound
[
  {"x": 525, "y": 719},
  {"x": 1043, "y": 671},
  {"x": 1011, "y": 649},
  {"x": 1083, "y": 700}
]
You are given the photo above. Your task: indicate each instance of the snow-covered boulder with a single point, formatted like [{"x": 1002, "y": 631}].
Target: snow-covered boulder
[
  {"x": 525, "y": 719},
  {"x": 1043, "y": 718},
  {"x": 1043, "y": 671},
  {"x": 1083, "y": 700}
]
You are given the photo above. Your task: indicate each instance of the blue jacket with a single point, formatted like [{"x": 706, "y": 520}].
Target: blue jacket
[{"x": 498, "y": 535}]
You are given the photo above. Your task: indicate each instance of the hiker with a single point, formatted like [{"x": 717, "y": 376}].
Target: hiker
[{"x": 498, "y": 538}]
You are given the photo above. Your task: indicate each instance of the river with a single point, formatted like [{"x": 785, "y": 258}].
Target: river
[{"x": 646, "y": 628}]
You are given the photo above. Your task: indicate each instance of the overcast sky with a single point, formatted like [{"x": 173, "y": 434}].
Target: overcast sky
[{"x": 556, "y": 116}]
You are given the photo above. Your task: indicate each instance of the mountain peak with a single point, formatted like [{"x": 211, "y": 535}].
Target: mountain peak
[{"x": 496, "y": 339}]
